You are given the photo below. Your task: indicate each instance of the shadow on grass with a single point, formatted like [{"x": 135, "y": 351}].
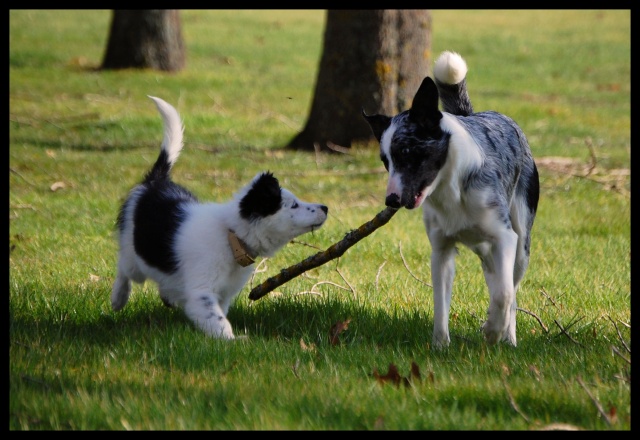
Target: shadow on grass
[
  {"x": 97, "y": 146},
  {"x": 282, "y": 319}
]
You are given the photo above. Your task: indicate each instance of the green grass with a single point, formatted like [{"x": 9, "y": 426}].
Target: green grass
[{"x": 246, "y": 90}]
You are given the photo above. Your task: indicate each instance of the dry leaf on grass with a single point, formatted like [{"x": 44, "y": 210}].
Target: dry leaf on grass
[
  {"x": 394, "y": 376},
  {"x": 58, "y": 185},
  {"x": 336, "y": 329}
]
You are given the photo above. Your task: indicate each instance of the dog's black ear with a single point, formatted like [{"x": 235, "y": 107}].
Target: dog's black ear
[
  {"x": 263, "y": 198},
  {"x": 378, "y": 123},
  {"x": 424, "y": 110}
]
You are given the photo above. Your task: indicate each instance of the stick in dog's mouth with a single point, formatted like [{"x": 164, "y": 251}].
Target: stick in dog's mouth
[{"x": 334, "y": 251}]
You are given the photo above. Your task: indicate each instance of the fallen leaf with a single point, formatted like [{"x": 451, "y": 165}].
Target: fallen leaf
[
  {"x": 336, "y": 329},
  {"x": 93, "y": 277},
  {"x": 58, "y": 185},
  {"x": 305, "y": 347},
  {"x": 394, "y": 376},
  {"x": 535, "y": 371},
  {"x": 415, "y": 371}
]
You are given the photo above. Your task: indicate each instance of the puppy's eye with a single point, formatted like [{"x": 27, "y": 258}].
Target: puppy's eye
[
  {"x": 405, "y": 151},
  {"x": 295, "y": 205}
]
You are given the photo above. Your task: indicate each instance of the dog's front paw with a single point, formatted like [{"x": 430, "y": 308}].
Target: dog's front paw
[
  {"x": 494, "y": 333},
  {"x": 440, "y": 340}
]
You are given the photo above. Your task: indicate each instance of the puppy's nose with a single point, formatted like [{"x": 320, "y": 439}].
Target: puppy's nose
[
  {"x": 393, "y": 201},
  {"x": 324, "y": 208}
]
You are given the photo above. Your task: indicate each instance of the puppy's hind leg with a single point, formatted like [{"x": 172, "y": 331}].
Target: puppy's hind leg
[
  {"x": 127, "y": 272},
  {"x": 205, "y": 312}
]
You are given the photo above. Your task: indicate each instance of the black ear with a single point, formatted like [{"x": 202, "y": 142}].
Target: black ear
[
  {"x": 424, "y": 110},
  {"x": 262, "y": 199},
  {"x": 378, "y": 124}
]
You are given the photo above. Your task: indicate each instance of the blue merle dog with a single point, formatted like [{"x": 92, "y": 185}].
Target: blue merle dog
[{"x": 478, "y": 183}]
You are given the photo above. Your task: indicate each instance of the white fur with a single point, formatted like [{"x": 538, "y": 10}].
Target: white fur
[
  {"x": 173, "y": 131},
  {"x": 208, "y": 277},
  {"x": 481, "y": 190},
  {"x": 450, "y": 68}
]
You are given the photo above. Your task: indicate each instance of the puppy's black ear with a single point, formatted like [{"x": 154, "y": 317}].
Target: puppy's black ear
[
  {"x": 378, "y": 124},
  {"x": 424, "y": 110},
  {"x": 262, "y": 199}
]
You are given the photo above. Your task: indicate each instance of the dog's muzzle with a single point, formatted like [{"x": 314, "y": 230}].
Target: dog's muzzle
[{"x": 393, "y": 201}]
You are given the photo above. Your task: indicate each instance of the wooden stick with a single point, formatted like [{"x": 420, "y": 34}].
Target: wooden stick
[{"x": 335, "y": 251}]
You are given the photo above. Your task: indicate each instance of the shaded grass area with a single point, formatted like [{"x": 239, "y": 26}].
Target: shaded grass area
[{"x": 79, "y": 139}]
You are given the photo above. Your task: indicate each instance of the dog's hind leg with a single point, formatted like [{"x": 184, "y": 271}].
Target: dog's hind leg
[
  {"x": 205, "y": 312},
  {"x": 521, "y": 221},
  {"x": 498, "y": 267}
]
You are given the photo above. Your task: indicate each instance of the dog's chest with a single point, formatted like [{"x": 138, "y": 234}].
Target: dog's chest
[{"x": 457, "y": 216}]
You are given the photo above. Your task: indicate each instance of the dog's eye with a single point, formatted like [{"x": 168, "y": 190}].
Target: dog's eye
[{"x": 405, "y": 151}]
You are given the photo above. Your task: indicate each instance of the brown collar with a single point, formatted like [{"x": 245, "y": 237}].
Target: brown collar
[{"x": 244, "y": 257}]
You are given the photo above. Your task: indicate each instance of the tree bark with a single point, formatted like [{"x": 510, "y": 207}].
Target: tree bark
[
  {"x": 371, "y": 59},
  {"x": 149, "y": 38}
]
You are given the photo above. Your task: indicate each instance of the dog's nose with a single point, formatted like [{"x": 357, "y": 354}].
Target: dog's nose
[
  {"x": 393, "y": 201},
  {"x": 324, "y": 208}
]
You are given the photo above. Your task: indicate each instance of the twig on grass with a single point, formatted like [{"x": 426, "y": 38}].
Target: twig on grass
[
  {"x": 406, "y": 266},
  {"x": 544, "y": 292},
  {"x": 544, "y": 327},
  {"x": 595, "y": 401},
  {"x": 348, "y": 284},
  {"x": 514, "y": 405},
  {"x": 14, "y": 171},
  {"x": 259, "y": 269},
  {"x": 565, "y": 331},
  {"x": 619, "y": 335},
  {"x": 313, "y": 288},
  {"x": 379, "y": 271},
  {"x": 616, "y": 351},
  {"x": 334, "y": 251}
]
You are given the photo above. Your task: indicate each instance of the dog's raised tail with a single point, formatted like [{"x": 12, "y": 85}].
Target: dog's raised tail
[
  {"x": 450, "y": 73},
  {"x": 171, "y": 142}
]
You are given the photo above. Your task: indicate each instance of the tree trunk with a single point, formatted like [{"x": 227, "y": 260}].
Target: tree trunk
[
  {"x": 371, "y": 59},
  {"x": 150, "y": 38}
]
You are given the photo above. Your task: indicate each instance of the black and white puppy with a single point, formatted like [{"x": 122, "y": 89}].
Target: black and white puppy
[
  {"x": 201, "y": 254},
  {"x": 478, "y": 183}
]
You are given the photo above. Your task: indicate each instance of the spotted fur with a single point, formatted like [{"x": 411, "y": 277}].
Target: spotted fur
[
  {"x": 477, "y": 181},
  {"x": 166, "y": 235}
]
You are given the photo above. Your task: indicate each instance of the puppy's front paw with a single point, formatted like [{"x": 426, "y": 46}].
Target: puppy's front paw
[
  {"x": 222, "y": 330},
  {"x": 120, "y": 293}
]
